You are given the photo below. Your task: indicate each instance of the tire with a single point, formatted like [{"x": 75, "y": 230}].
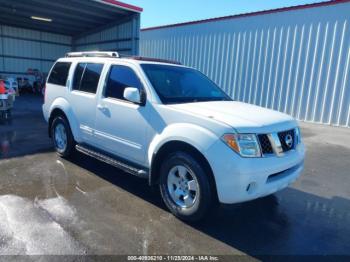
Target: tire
[
  {"x": 198, "y": 202},
  {"x": 65, "y": 147}
]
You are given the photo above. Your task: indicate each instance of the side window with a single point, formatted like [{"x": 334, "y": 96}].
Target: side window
[
  {"x": 86, "y": 77},
  {"x": 59, "y": 73},
  {"x": 79, "y": 70},
  {"x": 119, "y": 78}
]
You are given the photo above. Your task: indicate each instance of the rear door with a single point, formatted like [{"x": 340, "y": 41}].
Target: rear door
[
  {"x": 85, "y": 82},
  {"x": 121, "y": 126}
]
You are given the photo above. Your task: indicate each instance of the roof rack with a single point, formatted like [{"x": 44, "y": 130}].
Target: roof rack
[
  {"x": 93, "y": 54},
  {"x": 150, "y": 59},
  {"x": 116, "y": 55}
]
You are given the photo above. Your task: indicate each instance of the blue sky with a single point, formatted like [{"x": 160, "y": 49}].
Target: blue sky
[{"x": 162, "y": 12}]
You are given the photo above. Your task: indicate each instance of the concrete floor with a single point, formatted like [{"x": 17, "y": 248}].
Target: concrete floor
[{"x": 81, "y": 206}]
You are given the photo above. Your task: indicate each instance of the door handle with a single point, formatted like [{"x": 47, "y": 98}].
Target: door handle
[{"x": 102, "y": 107}]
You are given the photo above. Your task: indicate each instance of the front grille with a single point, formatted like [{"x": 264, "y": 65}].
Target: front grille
[
  {"x": 282, "y": 137},
  {"x": 265, "y": 144},
  {"x": 267, "y": 147}
]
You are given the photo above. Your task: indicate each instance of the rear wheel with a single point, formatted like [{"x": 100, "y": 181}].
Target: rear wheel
[
  {"x": 185, "y": 187},
  {"x": 62, "y": 137}
]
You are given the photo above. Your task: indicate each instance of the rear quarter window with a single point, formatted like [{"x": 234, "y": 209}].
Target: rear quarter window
[{"x": 59, "y": 73}]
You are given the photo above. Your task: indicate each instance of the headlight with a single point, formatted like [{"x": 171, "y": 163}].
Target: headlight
[
  {"x": 244, "y": 144},
  {"x": 297, "y": 136}
]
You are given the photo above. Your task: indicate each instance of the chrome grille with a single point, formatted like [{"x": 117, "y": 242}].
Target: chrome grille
[
  {"x": 277, "y": 140},
  {"x": 265, "y": 144},
  {"x": 282, "y": 137}
]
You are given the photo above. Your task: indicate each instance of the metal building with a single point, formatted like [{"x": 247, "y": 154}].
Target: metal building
[
  {"x": 295, "y": 60},
  {"x": 33, "y": 34}
]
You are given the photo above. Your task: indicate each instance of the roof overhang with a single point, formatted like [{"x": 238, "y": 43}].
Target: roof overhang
[
  {"x": 68, "y": 17},
  {"x": 121, "y": 5}
]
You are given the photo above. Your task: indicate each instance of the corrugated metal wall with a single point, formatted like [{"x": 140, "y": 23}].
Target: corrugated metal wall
[
  {"x": 21, "y": 49},
  {"x": 123, "y": 37},
  {"x": 295, "y": 62}
]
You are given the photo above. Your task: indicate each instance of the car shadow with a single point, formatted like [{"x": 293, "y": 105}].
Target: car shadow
[
  {"x": 130, "y": 183},
  {"x": 287, "y": 223}
]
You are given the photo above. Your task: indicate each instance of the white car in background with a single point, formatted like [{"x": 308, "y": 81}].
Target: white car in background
[
  {"x": 12, "y": 85},
  {"x": 172, "y": 125},
  {"x": 11, "y": 88}
]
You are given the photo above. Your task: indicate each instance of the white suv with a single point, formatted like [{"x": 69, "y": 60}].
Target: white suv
[{"x": 172, "y": 125}]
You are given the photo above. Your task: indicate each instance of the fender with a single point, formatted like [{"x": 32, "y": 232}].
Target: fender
[
  {"x": 197, "y": 136},
  {"x": 62, "y": 104}
]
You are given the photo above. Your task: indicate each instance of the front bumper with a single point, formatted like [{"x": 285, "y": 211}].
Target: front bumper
[{"x": 241, "y": 179}]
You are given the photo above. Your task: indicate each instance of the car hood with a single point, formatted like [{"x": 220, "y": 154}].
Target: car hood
[{"x": 243, "y": 117}]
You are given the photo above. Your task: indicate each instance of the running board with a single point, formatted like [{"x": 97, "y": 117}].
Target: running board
[{"x": 87, "y": 150}]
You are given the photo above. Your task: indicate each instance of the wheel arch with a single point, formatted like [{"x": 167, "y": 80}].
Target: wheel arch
[
  {"x": 173, "y": 146},
  {"x": 56, "y": 112},
  {"x": 62, "y": 108}
]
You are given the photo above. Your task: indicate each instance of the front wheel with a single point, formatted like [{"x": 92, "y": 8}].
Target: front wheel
[
  {"x": 62, "y": 137},
  {"x": 185, "y": 187}
]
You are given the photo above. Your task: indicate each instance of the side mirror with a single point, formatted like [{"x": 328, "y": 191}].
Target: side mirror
[{"x": 134, "y": 95}]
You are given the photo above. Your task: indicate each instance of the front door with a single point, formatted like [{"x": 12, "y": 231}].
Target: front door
[{"x": 121, "y": 126}]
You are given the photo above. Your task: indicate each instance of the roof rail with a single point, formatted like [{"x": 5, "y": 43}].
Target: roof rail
[
  {"x": 150, "y": 59},
  {"x": 93, "y": 54}
]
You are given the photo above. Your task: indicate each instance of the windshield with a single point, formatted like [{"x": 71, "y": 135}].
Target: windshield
[{"x": 175, "y": 84}]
